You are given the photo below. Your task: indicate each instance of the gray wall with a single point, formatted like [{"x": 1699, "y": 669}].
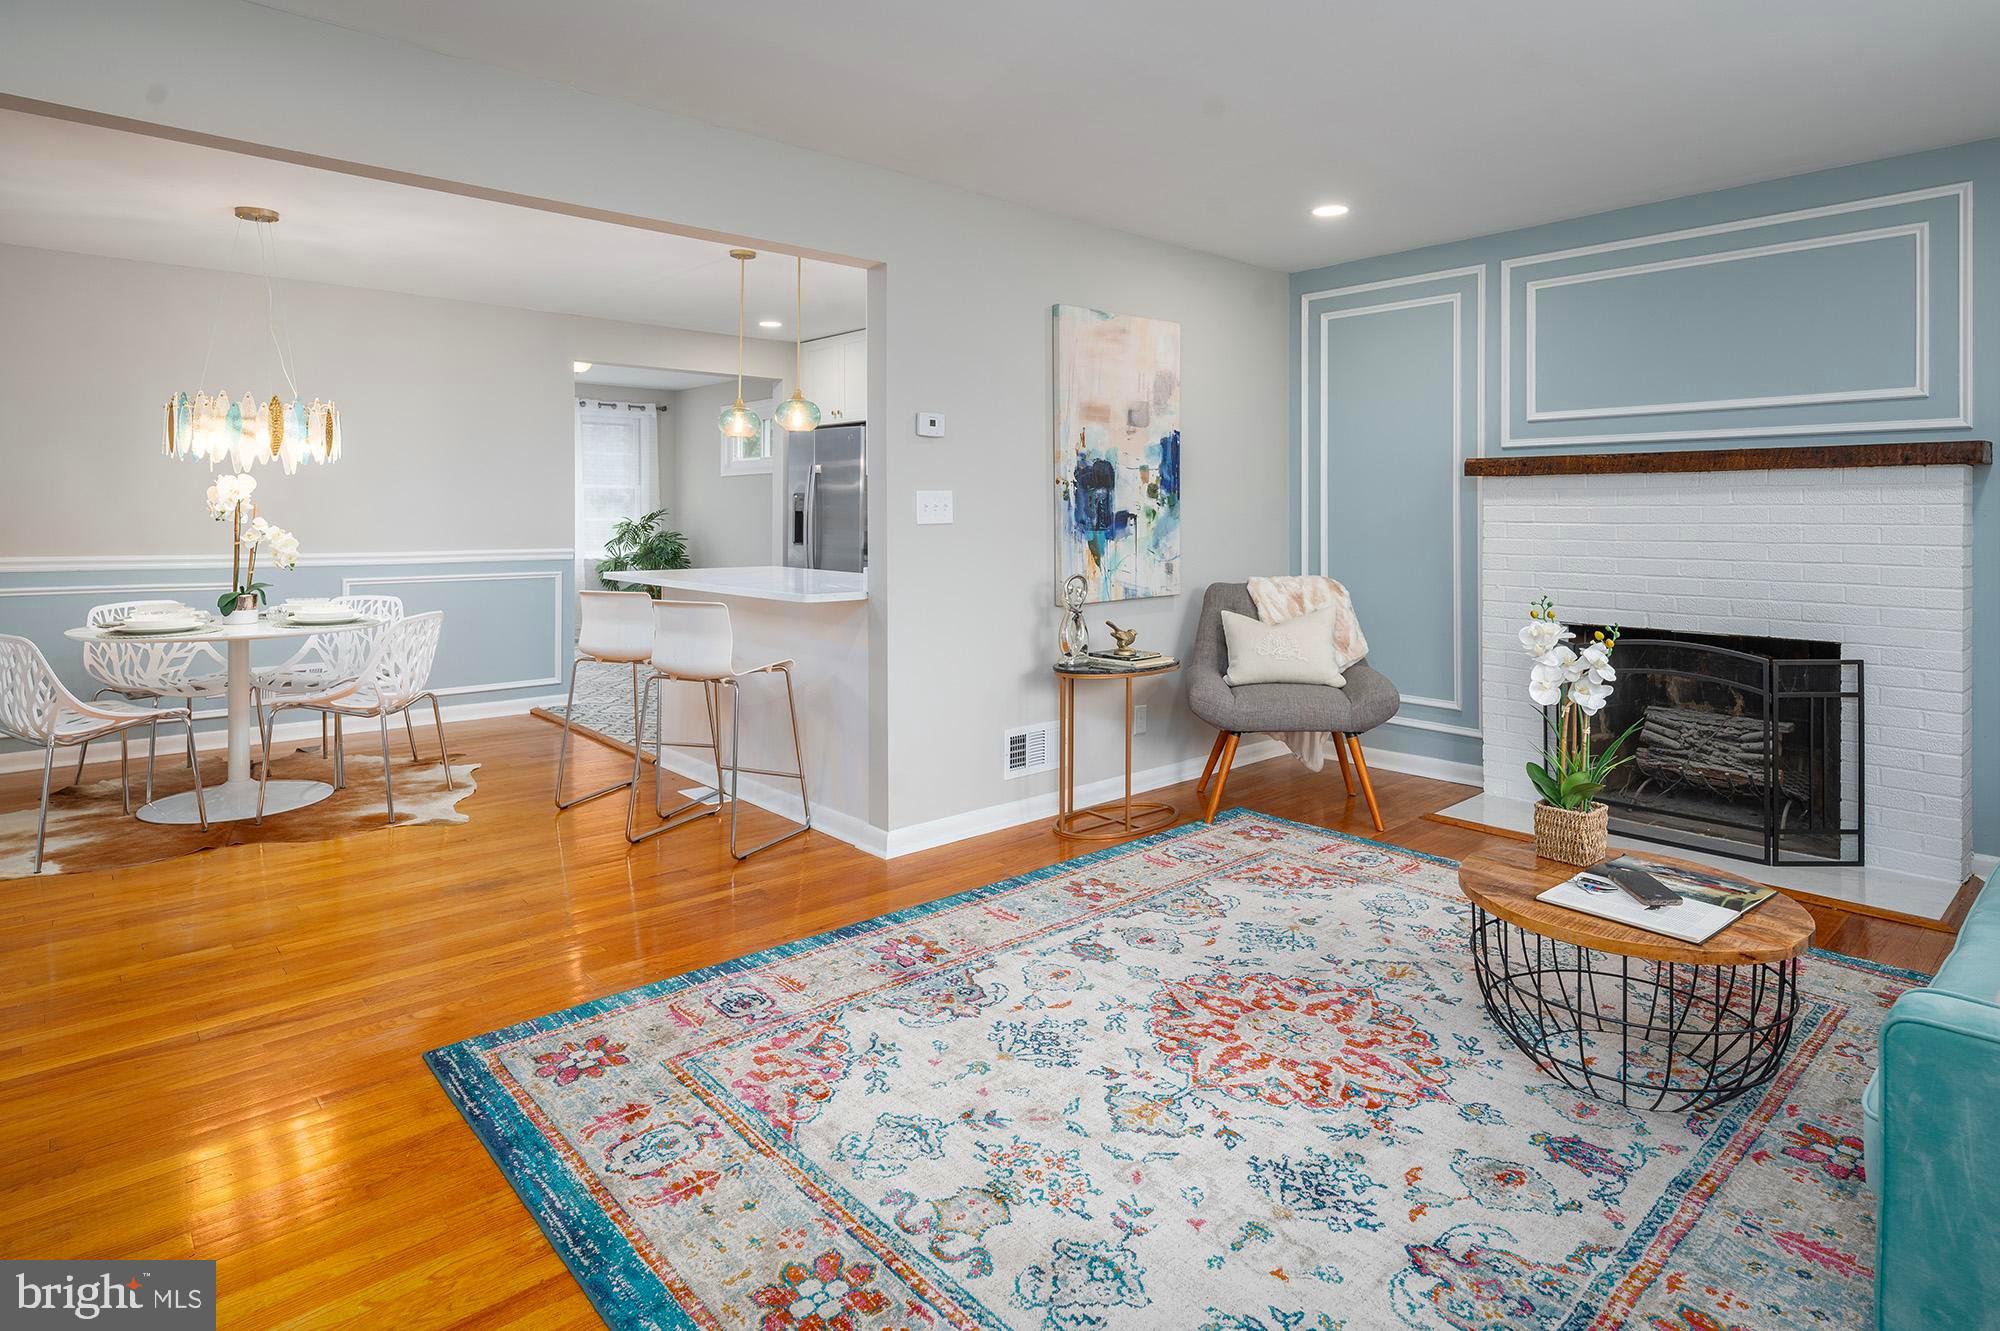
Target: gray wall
[
  {"x": 727, "y": 518},
  {"x": 958, "y": 322},
  {"x": 1836, "y": 307},
  {"x": 455, "y": 491},
  {"x": 459, "y": 418}
]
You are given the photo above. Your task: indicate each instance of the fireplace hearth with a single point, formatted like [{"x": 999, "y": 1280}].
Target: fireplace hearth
[{"x": 1746, "y": 746}]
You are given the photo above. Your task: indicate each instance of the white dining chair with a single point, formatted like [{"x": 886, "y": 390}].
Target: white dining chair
[
  {"x": 613, "y": 628},
  {"x": 326, "y": 659},
  {"x": 36, "y": 708},
  {"x": 394, "y": 678},
  {"x": 139, "y": 670},
  {"x": 693, "y": 643}
]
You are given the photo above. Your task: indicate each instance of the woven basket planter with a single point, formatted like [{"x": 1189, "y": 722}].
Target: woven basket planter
[{"x": 1571, "y": 836}]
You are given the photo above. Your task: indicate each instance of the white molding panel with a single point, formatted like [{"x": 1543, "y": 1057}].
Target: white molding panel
[
  {"x": 1959, "y": 418},
  {"x": 1454, "y": 478},
  {"x": 1920, "y": 357},
  {"x": 559, "y": 654}
]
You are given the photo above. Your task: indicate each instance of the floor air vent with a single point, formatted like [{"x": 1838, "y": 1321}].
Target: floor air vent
[{"x": 1030, "y": 749}]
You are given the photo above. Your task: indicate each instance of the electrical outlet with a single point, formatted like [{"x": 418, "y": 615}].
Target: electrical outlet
[
  {"x": 1139, "y": 719},
  {"x": 933, "y": 506},
  {"x": 930, "y": 425}
]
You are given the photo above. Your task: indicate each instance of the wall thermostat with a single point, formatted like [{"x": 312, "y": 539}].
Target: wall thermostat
[{"x": 930, "y": 425}]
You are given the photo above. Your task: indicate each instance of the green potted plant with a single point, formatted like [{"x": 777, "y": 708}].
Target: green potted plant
[
  {"x": 1570, "y": 825},
  {"x": 643, "y": 543}
]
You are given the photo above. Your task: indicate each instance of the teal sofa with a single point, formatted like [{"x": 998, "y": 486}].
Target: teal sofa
[{"x": 1931, "y": 1119}]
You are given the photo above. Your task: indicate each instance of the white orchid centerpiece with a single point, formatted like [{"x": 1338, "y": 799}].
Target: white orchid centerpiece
[
  {"x": 1578, "y": 683},
  {"x": 229, "y": 500}
]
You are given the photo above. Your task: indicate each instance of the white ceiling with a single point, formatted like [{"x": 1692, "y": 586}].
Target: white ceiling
[
  {"x": 645, "y": 376},
  {"x": 1218, "y": 125},
  {"x": 90, "y": 190},
  {"x": 640, "y": 376}
]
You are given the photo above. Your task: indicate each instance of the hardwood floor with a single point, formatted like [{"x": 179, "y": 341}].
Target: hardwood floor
[{"x": 219, "y": 1056}]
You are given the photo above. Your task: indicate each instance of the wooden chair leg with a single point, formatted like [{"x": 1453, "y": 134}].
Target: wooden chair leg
[
  {"x": 1221, "y": 777},
  {"x": 1346, "y": 772},
  {"x": 1208, "y": 768},
  {"x": 1367, "y": 786}
]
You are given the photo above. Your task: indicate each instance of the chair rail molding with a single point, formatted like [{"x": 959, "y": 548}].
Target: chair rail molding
[
  {"x": 1392, "y": 298},
  {"x": 1959, "y": 197},
  {"x": 152, "y": 563}
]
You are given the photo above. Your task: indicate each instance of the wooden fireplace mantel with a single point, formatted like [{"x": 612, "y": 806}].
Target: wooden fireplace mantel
[{"x": 1941, "y": 453}]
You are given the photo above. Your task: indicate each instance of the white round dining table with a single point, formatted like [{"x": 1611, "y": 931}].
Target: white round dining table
[{"x": 235, "y": 799}]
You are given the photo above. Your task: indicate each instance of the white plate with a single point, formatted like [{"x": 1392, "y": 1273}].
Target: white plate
[
  {"x": 151, "y": 624},
  {"x": 330, "y": 614}
]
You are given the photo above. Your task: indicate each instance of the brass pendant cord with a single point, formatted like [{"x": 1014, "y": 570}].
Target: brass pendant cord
[
  {"x": 742, "y": 268},
  {"x": 798, "y": 329}
]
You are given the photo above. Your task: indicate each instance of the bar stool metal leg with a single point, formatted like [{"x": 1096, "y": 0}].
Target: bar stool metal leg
[
  {"x": 736, "y": 769},
  {"x": 562, "y": 753},
  {"x": 683, "y": 814}
]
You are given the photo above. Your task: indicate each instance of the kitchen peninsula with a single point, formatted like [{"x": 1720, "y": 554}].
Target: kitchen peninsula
[{"x": 817, "y": 619}]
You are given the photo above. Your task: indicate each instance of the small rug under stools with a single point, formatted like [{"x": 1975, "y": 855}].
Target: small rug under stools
[
  {"x": 1231, "y": 1077},
  {"x": 89, "y": 829}
]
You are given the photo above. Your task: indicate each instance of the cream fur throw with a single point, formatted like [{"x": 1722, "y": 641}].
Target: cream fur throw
[{"x": 1289, "y": 596}]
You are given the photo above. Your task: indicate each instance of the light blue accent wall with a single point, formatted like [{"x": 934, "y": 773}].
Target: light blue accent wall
[
  {"x": 508, "y": 628},
  {"x": 1836, "y": 307}
]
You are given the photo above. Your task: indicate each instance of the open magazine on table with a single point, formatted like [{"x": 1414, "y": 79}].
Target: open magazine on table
[{"x": 1709, "y": 903}]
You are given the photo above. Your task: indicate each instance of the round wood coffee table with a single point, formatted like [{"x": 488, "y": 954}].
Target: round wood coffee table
[{"x": 1623, "y": 1014}]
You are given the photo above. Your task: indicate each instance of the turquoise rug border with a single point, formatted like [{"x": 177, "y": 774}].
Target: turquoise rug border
[{"x": 626, "y": 1292}]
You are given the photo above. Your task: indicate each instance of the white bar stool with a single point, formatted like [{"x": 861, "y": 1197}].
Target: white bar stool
[
  {"x": 694, "y": 643},
  {"x": 614, "y": 628}
]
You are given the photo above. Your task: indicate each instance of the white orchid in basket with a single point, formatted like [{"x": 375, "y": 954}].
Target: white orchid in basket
[{"x": 1579, "y": 684}]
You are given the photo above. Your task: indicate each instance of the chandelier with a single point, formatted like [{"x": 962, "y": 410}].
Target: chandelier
[{"x": 229, "y": 432}]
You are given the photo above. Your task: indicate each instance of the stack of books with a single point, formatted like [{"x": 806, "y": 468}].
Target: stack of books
[{"x": 1118, "y": 663}]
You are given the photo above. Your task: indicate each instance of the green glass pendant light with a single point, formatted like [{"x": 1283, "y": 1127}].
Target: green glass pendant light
[
  {"x": 798, "y": 415},
  {"x": 738, "y": 421}
]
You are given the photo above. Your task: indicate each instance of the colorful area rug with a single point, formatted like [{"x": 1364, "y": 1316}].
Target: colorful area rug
[
  {"x": 89, "y": 828},
  {"x": 1234, "y": 1078}
]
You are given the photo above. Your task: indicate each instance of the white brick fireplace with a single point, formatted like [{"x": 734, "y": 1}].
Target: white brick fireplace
[{"x": 1878, "y": 559}]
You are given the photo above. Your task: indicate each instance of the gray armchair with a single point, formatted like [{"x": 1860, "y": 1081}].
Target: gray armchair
[{"x": 1366, "y": 702}]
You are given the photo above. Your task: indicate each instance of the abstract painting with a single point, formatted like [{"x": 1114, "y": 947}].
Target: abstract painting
[{"x": 1118, "y": 453}]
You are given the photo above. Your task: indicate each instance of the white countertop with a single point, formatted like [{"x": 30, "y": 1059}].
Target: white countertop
[{"x": 760, "y": 583}]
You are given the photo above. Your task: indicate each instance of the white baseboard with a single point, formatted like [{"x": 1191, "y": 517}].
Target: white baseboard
[
  {"x": 1417, "y": 764},
  {"x": 782, "y": 798},
  {"x": 994, "y": 817},
  {"x": 306, "y": 727}
]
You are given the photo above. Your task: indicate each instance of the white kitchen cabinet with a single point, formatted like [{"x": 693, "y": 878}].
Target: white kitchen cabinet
[{"x": 835, "y": 370}]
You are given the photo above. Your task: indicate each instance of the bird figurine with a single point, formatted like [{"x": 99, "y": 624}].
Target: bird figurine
[{"x": 1123, "y": 637}]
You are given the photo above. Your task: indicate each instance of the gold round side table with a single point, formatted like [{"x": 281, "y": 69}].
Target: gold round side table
[{"x": 1116, "y": 819}]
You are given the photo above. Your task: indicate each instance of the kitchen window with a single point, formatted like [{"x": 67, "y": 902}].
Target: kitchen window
[
  {"x": 750, "y": 457},
  {"x": 617, "y": 469}
]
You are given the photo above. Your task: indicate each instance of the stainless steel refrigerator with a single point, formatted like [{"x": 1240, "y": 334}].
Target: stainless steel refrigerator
[{"x": 826, "y": 498}]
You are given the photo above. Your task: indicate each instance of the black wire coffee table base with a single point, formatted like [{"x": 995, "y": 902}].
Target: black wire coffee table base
[{"x": 1652, "y": 1034}]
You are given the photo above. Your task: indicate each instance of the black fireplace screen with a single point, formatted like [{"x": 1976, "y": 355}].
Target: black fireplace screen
[{"x": 1747, "y": 747}]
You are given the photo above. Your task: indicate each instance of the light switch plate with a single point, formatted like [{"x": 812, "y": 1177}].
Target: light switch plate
[
  {"x": 1139, "y": 719},
  {"x": 933, "y": 507},
  {"x": 930, "y": 425}
]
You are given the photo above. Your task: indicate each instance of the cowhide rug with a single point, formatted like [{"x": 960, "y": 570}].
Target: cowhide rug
[{"x": 88, "y": 828}]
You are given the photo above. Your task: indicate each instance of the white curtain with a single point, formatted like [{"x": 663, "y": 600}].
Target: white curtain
[{"x": 617, "y": 470}]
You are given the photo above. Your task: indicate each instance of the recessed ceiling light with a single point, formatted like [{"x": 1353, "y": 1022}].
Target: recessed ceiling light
[
  {"x": 770, "y": 323},
  {"x": 1330, "y": 210},
  {"x": 580, "y": 366}
]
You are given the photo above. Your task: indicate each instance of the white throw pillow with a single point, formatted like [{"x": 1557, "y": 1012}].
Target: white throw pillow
[{"x": 1298, "y": 651}]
